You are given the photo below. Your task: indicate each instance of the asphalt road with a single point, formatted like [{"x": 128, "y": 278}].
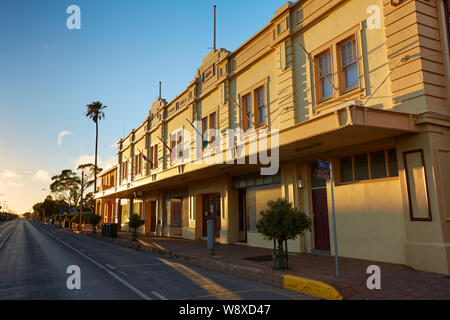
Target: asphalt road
[{"x": 34, "y": 259}]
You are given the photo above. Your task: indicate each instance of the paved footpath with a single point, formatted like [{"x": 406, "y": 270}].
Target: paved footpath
[{"x": 398, "y": 282}]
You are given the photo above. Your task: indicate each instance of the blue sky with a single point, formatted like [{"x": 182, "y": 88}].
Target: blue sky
[{"x": 48, "y": 74}]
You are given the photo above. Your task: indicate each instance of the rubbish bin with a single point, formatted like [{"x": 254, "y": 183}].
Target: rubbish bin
[{"x": 113, "y": 227}]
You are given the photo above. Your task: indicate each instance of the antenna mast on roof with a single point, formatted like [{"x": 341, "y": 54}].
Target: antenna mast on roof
[
  {"x": 214, "y": 28},
  {"x": 160, "y": 90}
]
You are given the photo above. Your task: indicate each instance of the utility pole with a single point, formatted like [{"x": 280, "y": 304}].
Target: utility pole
[{"x": 81, "y": 202}]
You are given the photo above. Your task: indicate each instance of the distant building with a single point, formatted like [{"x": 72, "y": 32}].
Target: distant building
[{"x": 363, "y": 84}]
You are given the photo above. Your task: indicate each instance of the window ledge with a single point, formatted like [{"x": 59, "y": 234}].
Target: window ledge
[
  {"x": 365, "y": 181},
  {"x": 353, "y": 93}
]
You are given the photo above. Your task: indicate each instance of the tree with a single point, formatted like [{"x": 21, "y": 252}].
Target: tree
[
  {"x": 66, "y": 186},
  {"x": 282, "y": 222},
  {"x": 95, "y": 112},
  {"x": 94, "y": 220},
  {"x": 89, "y": 202},
  {"x": 134, "y": 223},
  {"x": 46, "y": 209}
]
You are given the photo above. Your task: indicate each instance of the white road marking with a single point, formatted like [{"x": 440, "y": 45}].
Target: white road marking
[
  {"x": 5, "y": 239},
  {"x": 139, "y": 265},
  {"x": 122, "y": 273},
  {"x": 159, "y": 296},
  {"x": 129, "y": 286}
]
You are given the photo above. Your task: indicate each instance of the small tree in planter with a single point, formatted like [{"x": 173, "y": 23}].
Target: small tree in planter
[
  {"x": 134, "y": 223},
  {"x": 281, "y": 222},
  {"x": 94, "y": 220},
  {"x": 76, "y": 219}
]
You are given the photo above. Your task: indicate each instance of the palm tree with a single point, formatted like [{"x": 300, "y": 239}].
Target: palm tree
[{"x": 95, "y": 112}]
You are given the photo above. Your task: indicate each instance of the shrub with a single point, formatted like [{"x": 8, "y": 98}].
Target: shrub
[
  {"x": 282, "y": 222},
  {"x": 94, "y": 220}
]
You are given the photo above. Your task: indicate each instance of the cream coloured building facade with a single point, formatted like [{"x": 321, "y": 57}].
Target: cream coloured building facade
[{"x": 363, "y": 84}]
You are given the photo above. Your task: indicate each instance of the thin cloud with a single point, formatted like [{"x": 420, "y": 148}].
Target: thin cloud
[
  {"x": 61, "y": 135},
  {"x": 42, "y": 175},
  {"x": 8, "y": 174}
]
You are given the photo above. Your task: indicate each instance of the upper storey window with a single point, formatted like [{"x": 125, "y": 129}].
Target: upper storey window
[
  {"x": 325, "y": 76},
  {"x": 338, "y": 69},
  {"x": 254, "y": 106},
  {"x": 260, "y": 105},
  {"x": 248, "y": 111},
  {"x": 349, "y": 61}
]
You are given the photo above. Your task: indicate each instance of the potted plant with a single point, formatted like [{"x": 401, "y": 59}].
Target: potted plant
[
  {"x": 281, "y": 222},
  {"x": 94, "y": 220}
]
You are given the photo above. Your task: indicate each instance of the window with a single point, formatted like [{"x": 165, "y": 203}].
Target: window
[
  {"x": 378, "y": 165},
  {"x": 208, "y": 123},
  {"x": 124, "y": 170},
  {"x": 288, "y": 23},
  {"x": 260, "y": 105},
  {"x": 338, "y": 69},
  {"x": 372, "y": 165},
  {"x": 325, "y": 89},
  {"x": 349, "y": 64},
  {"x": 392, "y": 163},
  {"x": 248, "y": 112},
  {"x": 213, "y": 121},
  {"x": 138, "y": 164},
  {"x": 279, "y": 28},
  {"x": 212, "y": 125},
  {"x": 204, "y": 128},
  {"x": 176, "y": 141},
  {"x": 346, "y": 169},
  {"x": 361, "y": 167},
  {"x": 154, "y": 156}
]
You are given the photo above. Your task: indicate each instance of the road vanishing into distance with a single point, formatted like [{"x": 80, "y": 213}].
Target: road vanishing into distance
[{"x": 34, "y": 259}]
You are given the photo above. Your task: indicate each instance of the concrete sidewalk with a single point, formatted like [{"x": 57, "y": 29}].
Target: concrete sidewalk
[{"x": 397, "y": 282}]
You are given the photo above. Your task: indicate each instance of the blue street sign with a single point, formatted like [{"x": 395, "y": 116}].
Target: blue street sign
[{"x": 323, "y": 165}]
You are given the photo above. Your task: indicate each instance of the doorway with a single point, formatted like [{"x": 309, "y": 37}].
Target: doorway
[
  {"x": 320, "y": 211},
  {"x": 175, "y": 211},
  {"x": 242, "y": 216},
  {"x": 211, "y": 208}
]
